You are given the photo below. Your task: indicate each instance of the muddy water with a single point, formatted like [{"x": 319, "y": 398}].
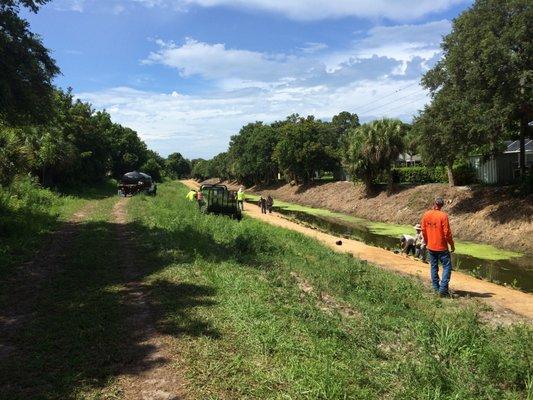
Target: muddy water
[{"x": 516, "y": 271}]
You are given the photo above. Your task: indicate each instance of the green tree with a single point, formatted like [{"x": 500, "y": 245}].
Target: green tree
[
  {"x": 152, "y": 168},
  {"x": 13, "y": 155},
  {"x": 221, "y": 166},
  {"x": 306, "y": 146},
  {"x": 342, "y": 123},
  {"x": 373, "y": 148},
  {"x": 411, "y": 142},
  {"x": 444, "y": 130},
  {"x": 251, "y": 154},
  {"x": 487, "y": 68},
  {"x": 201, "y": 169},
  {"x": 88, "y": 134},
  {"x": 128, "y": 151},
  {"x": 26, "y": 68},
  {"x": 178, "y": 166}
]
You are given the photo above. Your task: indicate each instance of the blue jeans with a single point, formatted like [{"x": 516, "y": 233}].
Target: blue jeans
[{"x": 446, "y": 261}]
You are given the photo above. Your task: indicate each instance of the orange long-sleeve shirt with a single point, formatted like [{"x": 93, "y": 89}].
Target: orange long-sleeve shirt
[{"x": 436, "y": 230}]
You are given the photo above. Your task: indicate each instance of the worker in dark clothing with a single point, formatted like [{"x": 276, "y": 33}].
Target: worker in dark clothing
[
  {"x": 262, "y": 204},
  {"x": 269, "y": 204},
  {"x": 200, "y": 199}
]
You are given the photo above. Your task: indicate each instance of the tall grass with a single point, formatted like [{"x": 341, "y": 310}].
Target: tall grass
[
  {"x": 28, "y": 212},
  {"x": 244, "y": 328}
]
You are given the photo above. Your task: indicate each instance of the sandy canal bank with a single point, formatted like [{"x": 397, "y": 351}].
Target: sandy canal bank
[{"x": 500, "y": 298}]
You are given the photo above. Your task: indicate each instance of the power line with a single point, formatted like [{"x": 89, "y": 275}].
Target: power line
[
  {"x": 390, "y": 94},
  {"x": 404, "y": 104},
  {"x": 373, "y": 109}
]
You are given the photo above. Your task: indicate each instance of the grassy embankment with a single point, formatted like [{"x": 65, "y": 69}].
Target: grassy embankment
[
  {"x": 236, "y": 298},
  {"x": 28, "y": 213},
  {"x": 74, "y": 342},
  {"x": 240, "y": 325},
  {"x": 478, "y": 250}
]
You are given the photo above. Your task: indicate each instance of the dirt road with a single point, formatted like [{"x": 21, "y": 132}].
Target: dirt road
[
  {"x": 159, "y": 381},
  {"x": 504, "y": 301}
]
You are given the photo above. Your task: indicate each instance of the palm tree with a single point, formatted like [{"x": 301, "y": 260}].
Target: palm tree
[{"x": 373, "y": 148}]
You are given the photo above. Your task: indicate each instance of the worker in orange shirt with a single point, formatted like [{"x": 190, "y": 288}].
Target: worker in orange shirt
[{"x": 438, "y": 236}]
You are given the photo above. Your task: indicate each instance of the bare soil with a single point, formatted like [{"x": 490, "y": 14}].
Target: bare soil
[
  {"x": 507, "y": 305},
  {"x": 492, "y": 215},
  {"x": 152, "y": 376},
  {"x": 325, "y": 301}
]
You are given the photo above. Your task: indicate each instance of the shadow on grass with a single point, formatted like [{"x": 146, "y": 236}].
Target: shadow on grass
[
  {"x": 24, "y": 230},
  {"x": 75, "y": 332},
  {"x": 21, "y": 233},
  {"x": 179, "y": 300},
  {"x": 91, "y": 192}
]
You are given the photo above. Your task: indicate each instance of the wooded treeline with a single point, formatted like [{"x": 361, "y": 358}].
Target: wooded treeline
[
  {"x": 47, "y": 133},
  {"x": 481, "y": 96},
  {"x": 481, "y": 90}
]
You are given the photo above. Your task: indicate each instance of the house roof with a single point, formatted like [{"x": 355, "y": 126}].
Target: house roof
[
  {"x": 514, "y": 147},
  {"x": 404, "y": 157}
]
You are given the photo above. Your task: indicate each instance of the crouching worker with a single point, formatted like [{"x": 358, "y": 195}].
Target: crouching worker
[
  {"x": 407, "y": 244},
  {"x": 420, "y": 244}
]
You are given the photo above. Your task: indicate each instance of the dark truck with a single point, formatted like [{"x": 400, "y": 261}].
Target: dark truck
[
  {"x": 217, "y": 199},
  {"x": 135, "y": 182}
]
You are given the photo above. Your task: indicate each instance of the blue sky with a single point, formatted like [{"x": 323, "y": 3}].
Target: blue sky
[{"x": 187, "y": 74}]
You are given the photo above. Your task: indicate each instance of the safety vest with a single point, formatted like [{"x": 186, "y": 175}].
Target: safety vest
[
  {"x": 240, "y": 196},
  {"x": 190, "y": 195}
]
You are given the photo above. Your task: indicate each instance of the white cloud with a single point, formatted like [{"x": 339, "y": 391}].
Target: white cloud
[
  {"x": 303, "y": 10},
  {"x": 202, "y": 125},
  {"x": 397, "y": 10},
  {"x": 398, "y": 42},
  {"x": 368, "y": 78},
  {"x": 402, "y": 42},
  {"x": 313, "y": 47},
  {"x": 215, "y": 61},
  {"x": 69, "y": 5}
]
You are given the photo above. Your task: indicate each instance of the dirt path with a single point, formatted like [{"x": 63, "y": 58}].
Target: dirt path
[
  {"x": 29, "y": 278},
  {"x": 479, "y": 214},
  {"x": 504, "y": 301},
  {"x": 151, "y": 377}
]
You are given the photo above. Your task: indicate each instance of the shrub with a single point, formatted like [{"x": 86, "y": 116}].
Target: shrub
[
  {"x": 419, "y": 175},
  {"x": 464, "y": 174}
]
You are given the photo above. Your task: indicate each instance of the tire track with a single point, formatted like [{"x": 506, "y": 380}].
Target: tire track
[{"x": 150, "y": 376}]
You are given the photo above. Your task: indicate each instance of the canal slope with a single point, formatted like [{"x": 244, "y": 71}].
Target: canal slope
[
  {"x": 493, "y": 215},
  {"x": 499, "y": 297}
]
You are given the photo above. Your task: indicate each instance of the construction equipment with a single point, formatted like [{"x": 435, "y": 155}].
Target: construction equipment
[
  {"x": 217, "y": 199},
  {"x": 135, "y": 182}
]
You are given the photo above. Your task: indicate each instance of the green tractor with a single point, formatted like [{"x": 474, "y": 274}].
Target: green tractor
[{"x": 217, "y": 199}]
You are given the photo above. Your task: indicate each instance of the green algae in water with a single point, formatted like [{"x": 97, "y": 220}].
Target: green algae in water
[
  {"x": 384, "y": 229},
  {"x": 477, "y": 250},
  {"x": 484, "y": 251}
]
